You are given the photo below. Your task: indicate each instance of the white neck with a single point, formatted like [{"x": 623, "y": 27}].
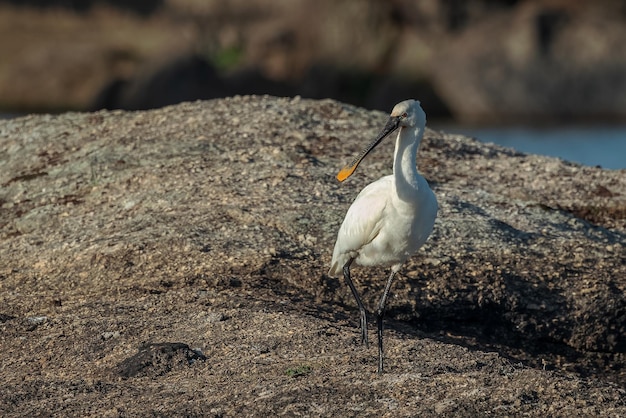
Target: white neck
[{"x": 404, "y": 162}]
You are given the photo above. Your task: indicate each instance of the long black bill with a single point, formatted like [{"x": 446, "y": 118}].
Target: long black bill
[{"x": 392, "y": 124}]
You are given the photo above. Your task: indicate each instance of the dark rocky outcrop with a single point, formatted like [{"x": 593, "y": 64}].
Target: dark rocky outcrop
[
  {"x": 212, "y": 224},
  {"x": 476, "y": 60},
  {"x": 553, "y": 61}
]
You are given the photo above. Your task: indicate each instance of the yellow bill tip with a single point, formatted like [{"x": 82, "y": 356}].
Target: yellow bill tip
[{"x": 346, "y": 172}]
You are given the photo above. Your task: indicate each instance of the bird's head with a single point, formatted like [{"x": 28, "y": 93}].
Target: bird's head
[{"x": 407, "y": 114}]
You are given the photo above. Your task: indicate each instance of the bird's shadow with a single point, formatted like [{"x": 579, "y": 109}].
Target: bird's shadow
[{"x": 521, "y": 334}]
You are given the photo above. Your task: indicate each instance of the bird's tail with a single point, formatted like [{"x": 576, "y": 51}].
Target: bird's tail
[
  {"x": 336, "y": 265},
  {"x": 335, "y": 269}
]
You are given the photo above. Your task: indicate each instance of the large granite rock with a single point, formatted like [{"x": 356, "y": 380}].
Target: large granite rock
[{"x": 173, "y": 262}]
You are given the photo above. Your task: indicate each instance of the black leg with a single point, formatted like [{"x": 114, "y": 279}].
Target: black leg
[
  {"x": 346, "y": 275},
  {"x": 380, "y": 313}
]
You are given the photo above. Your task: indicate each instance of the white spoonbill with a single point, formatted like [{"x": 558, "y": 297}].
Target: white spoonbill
[{"x": 392, "y": 217}]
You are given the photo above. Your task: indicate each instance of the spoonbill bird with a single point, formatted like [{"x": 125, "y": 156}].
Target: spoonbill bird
[{"x": 392, "y": 217}]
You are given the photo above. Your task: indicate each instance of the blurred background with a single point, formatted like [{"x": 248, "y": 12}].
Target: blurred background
[{"x": 542, "y": 76}]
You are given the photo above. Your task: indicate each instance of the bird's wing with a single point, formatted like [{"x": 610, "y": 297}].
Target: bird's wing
[{"x": 362, "y": 223}]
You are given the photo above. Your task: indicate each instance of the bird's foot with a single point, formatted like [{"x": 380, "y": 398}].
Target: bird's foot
[{"x": 364, "y": 339}]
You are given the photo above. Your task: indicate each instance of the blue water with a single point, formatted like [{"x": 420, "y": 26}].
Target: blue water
[{"x": 603, "y": 146}]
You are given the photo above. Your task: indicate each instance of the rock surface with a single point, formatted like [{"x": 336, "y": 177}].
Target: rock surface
[{"x": 172, "y": 262}]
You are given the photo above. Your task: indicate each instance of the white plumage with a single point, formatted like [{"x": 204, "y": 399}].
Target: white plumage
[{"x": 392, "y": 217}]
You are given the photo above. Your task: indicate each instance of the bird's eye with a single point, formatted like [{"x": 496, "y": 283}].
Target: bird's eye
[{"x": 404, "y": 115}]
